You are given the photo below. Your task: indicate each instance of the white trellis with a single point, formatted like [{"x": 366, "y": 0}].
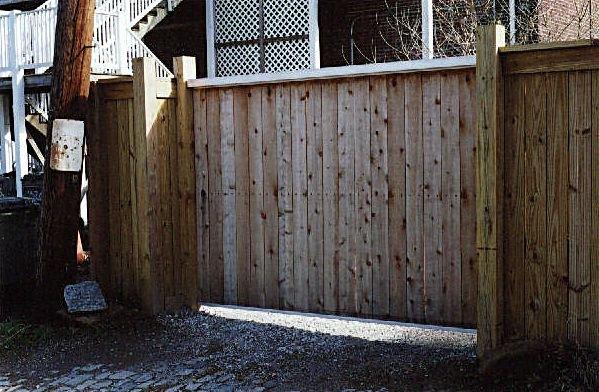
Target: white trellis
[{"x": 261, "y": 36}]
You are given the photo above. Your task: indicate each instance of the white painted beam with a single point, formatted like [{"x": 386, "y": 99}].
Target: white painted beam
[
  {"x": 5, "y": 138},
  {"x": 428, "y": 51},
  {"x": 314, "y": 35},
  {"x": 20, "y": 132},
  {"x": 444, "y": 63},
  {"x": 512, "y": 12},
  {"x": 210, "y": 39}
]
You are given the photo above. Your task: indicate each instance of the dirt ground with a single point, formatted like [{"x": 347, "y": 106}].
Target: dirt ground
[{"x": 222, "y": 348}]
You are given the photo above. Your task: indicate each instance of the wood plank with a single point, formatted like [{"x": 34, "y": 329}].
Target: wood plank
[
  {"x": 396, "y": 145},
  {"x": 594, "y": 311},
  {"x": 285, "y": 177},
  {"x": 580, "y": 135},
  {"x": 557, "y": 206},
  {"x": 202, "y": 193},
  {"x": 514, "y": 207},
  {"x": 98, "y": 169},
  {"x": 110, "y": 111},
  {"x": 363, "y": 194},
  {"x": 380, "y": 196},
  {"x": 227, "y": 148},
  {"x": 414, "y": 198},
  {"x": 468, "y": 197},
  {"x": 330, "y": 180},
  {"x": 347, "y": 223},
  {"x": 168, "y": 230},
  {"x": 145, "y": 108},
  {"x": 216, "y": 205},
  {"x": 271, "y": 210},
  {"x": 133, "y": 206},
  {"x": 489, "y": 183},
  {"x": 433, "y": 206},
  {"x": 256, "y": 232},
  {"x": 568, "y": 59},
  {"x": 242, "y": 194},
  {"x": 124, "y": 185},
  {"x": 315, "y": 197},
  {"x": 300, "y": 196},
  {"x": 185, "y": 69},
  {"x": 451, "y": 266},
  {"x": 535, "y": 215}
]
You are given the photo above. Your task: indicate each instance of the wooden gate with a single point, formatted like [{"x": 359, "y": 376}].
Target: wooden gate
[{"x": 352, "y": 196}]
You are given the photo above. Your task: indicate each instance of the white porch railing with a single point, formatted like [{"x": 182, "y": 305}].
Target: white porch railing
[{"x": 29, "y": 40}]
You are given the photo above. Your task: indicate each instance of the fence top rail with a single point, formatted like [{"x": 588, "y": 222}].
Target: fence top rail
[
  {"x": 427, "y": 65},
  {"x": 581, "y": 43}
]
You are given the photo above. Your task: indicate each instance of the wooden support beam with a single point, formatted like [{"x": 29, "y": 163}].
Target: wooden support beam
[
  {"x": 489, "y": 186},
  {"x": 428, "y": 50},
  {"x": 145, "y": 108},
  {"x": 185, "y": 69}
]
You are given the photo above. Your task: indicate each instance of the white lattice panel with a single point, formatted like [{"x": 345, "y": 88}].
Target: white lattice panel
[
  {"x": 287, "y": 56},
  {"x": 238, "y": 60},
  {"x": 236, "y": 20},
  {"x": 286, "y": 18}
]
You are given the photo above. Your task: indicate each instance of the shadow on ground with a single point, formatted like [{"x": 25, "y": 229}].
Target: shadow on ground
[{"x": 208, "y": 351}]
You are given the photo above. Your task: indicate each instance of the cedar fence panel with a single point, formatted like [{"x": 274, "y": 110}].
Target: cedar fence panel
[
  {"x": 142, "y": 188},
  {"x": 545, "y": 214},
  {"x": 352, "y": 196}
]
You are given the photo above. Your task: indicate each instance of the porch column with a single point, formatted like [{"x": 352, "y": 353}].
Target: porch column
[
  {"x": 5, "y": 138},
  {"x": 428, "y": 51},
  {"x": 18, "y": 105}
]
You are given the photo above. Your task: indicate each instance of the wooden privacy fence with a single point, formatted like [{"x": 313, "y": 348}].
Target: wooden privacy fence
[
  {"x": 142, "y": 187},
  {"x": 538, "y": 193},
  {"x": 353, "y": 195}
]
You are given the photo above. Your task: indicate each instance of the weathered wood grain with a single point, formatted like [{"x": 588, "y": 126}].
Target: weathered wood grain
[
  {"x": 363, "y": 195},
  {"x": 227, "y": 148},
  {"x": 242, "y": 194},
  {"x": 414, "y": 198},
  {"x": 557, "y": 206},
  {"x": 285, "y": 177},
  {"x": 535, "y": 218},
  {"x": 315, "y": 196},
  {"x": 433, "y": 206},
  {"x": 330, "y": 181},
  {"x": 396, "y": 149},
  {"x": 347, "y": 224},
  {"x": 451, "y": 307},
  {"x": 271, "y": 211},
  {"x": 300, "y": 196},
  {"x": 256, "y": 232},
  {"x": 380, "y": 196}
]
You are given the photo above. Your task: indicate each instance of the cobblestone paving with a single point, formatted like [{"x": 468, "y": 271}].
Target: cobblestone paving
[{"x": 188, "y": 376}]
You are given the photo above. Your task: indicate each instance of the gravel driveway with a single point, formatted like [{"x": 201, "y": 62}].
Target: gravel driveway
[{"x": 226, "y": 349}]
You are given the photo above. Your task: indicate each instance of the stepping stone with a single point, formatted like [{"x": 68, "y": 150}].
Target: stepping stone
[{"x": 84, "y": 297}]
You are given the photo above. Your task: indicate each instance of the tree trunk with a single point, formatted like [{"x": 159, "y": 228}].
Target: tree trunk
[{"x": 69, "y": 94}]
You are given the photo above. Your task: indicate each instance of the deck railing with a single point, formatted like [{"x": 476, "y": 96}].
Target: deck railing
[{"x": 29, "y": 38}]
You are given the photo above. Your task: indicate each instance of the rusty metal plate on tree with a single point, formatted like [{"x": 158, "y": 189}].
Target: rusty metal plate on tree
[{"x": 67, "y": 145}]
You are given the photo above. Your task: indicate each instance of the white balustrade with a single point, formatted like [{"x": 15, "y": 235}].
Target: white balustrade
[{"x": 114, "y": 44}]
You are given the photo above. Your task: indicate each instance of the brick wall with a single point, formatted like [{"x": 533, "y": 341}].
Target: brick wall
[{"x": 568, "y": 19}]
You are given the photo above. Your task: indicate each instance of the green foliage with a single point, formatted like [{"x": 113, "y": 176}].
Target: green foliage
[{"x": 16, "y": 334}]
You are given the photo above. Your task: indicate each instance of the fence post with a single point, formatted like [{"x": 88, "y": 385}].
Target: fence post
[
  {"x": 145, "y": 107},
  {"x": 489, "y": 186},
  {"x": 185, "y": 69}
]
